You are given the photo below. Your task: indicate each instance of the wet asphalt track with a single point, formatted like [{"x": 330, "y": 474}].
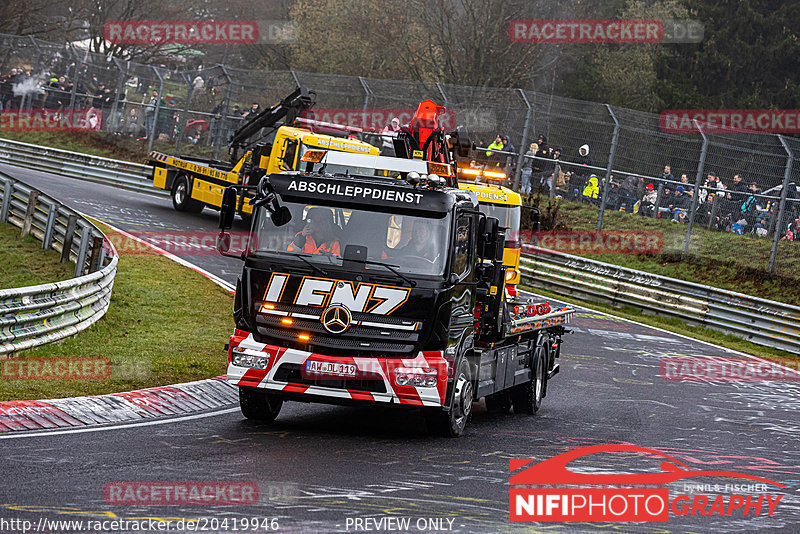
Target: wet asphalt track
[{"x": 322, "y": 465}]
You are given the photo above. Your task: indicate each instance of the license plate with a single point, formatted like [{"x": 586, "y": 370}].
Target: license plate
[{"x": 331, "y": 368}]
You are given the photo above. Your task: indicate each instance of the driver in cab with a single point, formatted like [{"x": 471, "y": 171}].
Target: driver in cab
[
  {"x": 318, "y": 236},
  {"x": 422, "y": 243}
]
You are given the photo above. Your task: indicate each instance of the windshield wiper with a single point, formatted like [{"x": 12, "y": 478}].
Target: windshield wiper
[
  {"x": 392, "y": 268},
  {"x": 299, "y": 255}
]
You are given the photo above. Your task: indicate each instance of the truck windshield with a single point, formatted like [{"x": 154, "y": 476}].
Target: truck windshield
[
  {"x": 509, "y": 217},
  {"x": 326, "y": 235}
]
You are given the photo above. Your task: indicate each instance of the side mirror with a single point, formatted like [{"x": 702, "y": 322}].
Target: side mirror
[
  {"x": 281, "y": 216},
  {"x": 228, "y": 209}
]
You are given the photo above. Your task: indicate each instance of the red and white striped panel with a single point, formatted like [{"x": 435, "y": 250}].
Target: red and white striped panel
[{"x": 378, "y": 367}]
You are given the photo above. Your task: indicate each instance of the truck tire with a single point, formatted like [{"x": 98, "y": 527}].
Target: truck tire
[
  {"x": 527, "y": 397},
  {"x": 452, "y": 424},
  {"x": 259, "y": 405},
  {"x": 181, "y": 200},
  {"x": 499, "y": 403}
]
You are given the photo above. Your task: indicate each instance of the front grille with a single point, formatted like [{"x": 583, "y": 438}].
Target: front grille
[
  {"x": 377, "y": 334},
  {"x": 291, "y": 372}
]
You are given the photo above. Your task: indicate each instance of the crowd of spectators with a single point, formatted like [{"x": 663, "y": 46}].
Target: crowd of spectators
[{"x": 135, "y": 110}]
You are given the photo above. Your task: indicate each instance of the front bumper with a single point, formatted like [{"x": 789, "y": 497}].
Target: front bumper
[{"x": 374, "y": 381}]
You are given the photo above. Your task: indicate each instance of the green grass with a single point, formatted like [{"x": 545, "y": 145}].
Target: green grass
[
  {"x": 166, "y": 324},
  {"x": 24, "y": 263},
  {"x": 728, "y": 261},
  {"x": 676, "y": 325}
]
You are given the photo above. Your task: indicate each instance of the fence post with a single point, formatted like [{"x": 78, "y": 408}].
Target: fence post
[
  {"x": 73, "y": 94},
  {"x": 123, "y": 77},
  {"x": 714, "y": 209},
  {"x": 69, "y": 235},
  {"x": 659, "y": 196},
  {"x": 47, "y": 239},
  {"x": 8, "y": 194},
  {"x": 607, "y": 181},
  {"x": 367, "y": 94},
  {"x": 83, "y": 248},
  {"x": 697, "y": 185},
  {"x": 28, "y": 221},
  {"x": 224, "y": 118},
  {"x": 183, "y": 122},
  {"x": 773, "y": 253},
  {"x": 444, "y": 95},
  {"x": 154, "y": 129},
  {"x": 522, "y": 149}
]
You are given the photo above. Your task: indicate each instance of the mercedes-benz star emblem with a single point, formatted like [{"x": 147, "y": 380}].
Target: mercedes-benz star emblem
[{"x": 336, "y": 319}]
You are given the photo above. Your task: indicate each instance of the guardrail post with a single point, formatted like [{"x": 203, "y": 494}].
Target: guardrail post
[
  {"x": 83, "y": 249},
  {"x": 95, "y": 259},
  {"x": 69, "y": 235},
  {"x": 607, "y": 181},
  {"x": 154, "y": 129},
  {"x": 28, "y": 222},
  {"x": 773, "y": 253},
  {"x": 697, "y": 185},
  {"x": 8, "y": 194},
  {"x": 47, "y": 239},
  {"x": 522, "y": 147}
]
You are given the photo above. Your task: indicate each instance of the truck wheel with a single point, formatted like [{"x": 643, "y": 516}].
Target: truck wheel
[
  {"x": 527, "y": 397},
  {"x": 259, "y": 405},
  {"x": 499, "y": 403},
  {"x": 181, "y": 200},
  {"x": 452, "y": 424}
]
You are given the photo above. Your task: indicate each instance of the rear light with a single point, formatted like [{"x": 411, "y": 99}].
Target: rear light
[{"x": 425, "y": 377}]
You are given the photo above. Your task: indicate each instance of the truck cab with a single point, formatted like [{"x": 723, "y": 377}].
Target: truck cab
[{"x": 374, "y": 289}]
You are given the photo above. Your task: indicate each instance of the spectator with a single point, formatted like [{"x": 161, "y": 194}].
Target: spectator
[
  {"x": 496, "y": 145},
  {"x": 748, "y": 210},
  {"x": 507, "y": 145},
  {"x": 680, "y": 204},
  {"x": 665, "y": 206},
  {"x": 150, "y": 114},
  {"x": 131, "y": 124},
  {"x": 527, "y": 169},
  {"x": 648, "y": 206},
  {"x": 627, "y": 193},
  {"x": 711, "y": 184},
  {"x": 197, "y": 84},
  {"x": 543, "y": 169},
  {"x": 387, "y": 141},
  {"x": 558, "y": 173},
  {"x": 667, "y": 174},
  {"x": 685, "y": 183},
  {"x": 579, "y": 174},
  {"x": 254, "y": 110},
  {"x": 97, "y": 101},
  {"x": 592, "y": 190}
]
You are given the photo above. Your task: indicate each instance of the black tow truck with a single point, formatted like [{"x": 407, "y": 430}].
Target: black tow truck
[{"x": 365, "y": 289}]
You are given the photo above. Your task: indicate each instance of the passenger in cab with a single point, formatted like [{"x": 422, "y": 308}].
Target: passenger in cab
[
  {"x": 422, "y": 243},
  {"x": 318, "y": 236}
]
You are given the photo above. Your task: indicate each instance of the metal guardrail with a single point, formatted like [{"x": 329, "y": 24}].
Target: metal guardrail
[
  {"x": 123, "y": 174},
  {"x": 35, "y": 315},
  {"x": 761, "y": 321}
]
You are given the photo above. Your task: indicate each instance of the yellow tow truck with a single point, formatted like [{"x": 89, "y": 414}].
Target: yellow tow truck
[{"x": 195, "y": 183}]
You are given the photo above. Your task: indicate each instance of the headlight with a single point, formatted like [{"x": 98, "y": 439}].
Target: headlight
[
  {"x": 425, "y": 377},
  {"x": 245, "y": 358},
  {"x": 510, "y": 274}
]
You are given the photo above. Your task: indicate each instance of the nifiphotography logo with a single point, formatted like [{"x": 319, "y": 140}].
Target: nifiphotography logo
[{"x": 538, "y": 493}]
